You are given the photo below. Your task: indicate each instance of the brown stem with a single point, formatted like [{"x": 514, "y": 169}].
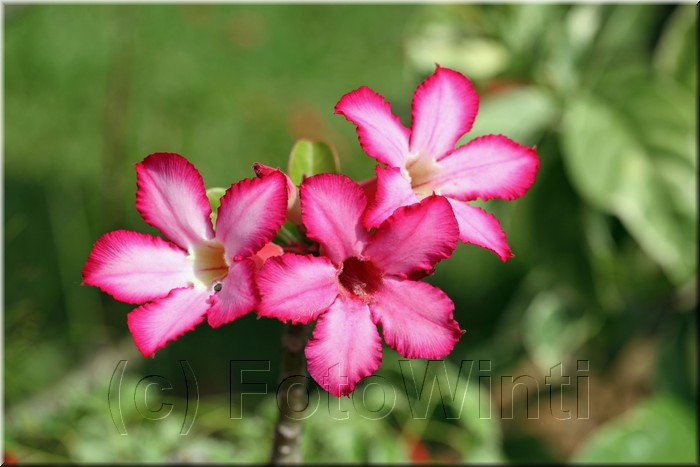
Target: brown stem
[{"x": 287, "y": 444}]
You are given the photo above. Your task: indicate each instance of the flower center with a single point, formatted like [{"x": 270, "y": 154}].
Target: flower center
[
  {"x": 421, "y": 169},
  {"x": 360, "y": 278},
  {"x": 209, "y": 264}
]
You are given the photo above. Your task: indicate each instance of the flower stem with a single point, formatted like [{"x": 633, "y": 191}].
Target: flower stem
[{"x": 287, "y": 444}]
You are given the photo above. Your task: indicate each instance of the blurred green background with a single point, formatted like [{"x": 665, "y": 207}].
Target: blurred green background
[{"x": 605, "y": 240}]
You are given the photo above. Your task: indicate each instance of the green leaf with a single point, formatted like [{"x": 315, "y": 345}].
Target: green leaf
[
  {"x": 214, "y": 195},
  {"x": 521, "y": 114},
  {"x": 553, "y": 332},
  {"x": 595, "y": 143},
  {"x": 477, "y": 57},
  {"x": 623, "y": 36},
  {"x": 676, "y": 54},
  {"x": 645, "y": 207},
  {"x": 660, "y": 430},
  {"x": 310, "y": 158},
  {"x": 618, "y": 162}
]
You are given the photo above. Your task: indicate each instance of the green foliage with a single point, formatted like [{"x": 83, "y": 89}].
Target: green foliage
[
  {"x": 309, "y": 158},
  {"x": 522, "y": 113},
  {"x": 660, "y": 430},
  {"x": 618, "y": 174}
]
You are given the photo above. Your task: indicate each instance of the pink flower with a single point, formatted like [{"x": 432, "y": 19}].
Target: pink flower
[
  {"x": 293, "y": 207},
  {"x": 423, "y": 161},
  {"x": 362, "y": 281},
  {"x": 198, "y": 273}
]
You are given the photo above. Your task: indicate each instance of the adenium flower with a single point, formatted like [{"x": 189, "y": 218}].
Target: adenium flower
[
  {"x": 363, "y": 280},
  {"x": 293, "y": 207},
  {"x": 199, "y": 272},
  {"x": 423, "y": 160}
]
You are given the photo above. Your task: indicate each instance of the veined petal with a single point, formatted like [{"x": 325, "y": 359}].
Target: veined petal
[
  {"x": 250, "y": 214},
  {"x": 345, "y": 347},
  {"x": 480, "y": 228},
  {"x": 135, "y": 267},
  {"x": 170, "y": 196},
  {"x": 381, "y": 134},
  {"x": 262, "y": 170},
  {"x": 370, "y": 188},
  {"x": 444, "y": 108},
  {"x": 414, "y": 238},
  {"x": 416, "y": 319},
  {"x": 238, "y": 294},
  {"x": 331, "y": 208},
  {"x": 491, "y": 166},
  {"x": 265, "y": 253},
  {"x": 392, "y": 192},
  {"x": 296, "y": 288},
  {"x": 154, "y": 324}
]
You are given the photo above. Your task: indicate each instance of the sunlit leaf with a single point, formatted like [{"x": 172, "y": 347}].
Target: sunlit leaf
[
  {"x": 676, "y": 53},
  {"x": 520, "y": 114},
  {"x": 477, "y": 57},
  {"x": 310, "y": 158},
  {"x": 552, "y": 332},
  {"x": 660, "y": 430},
  {"x": 614, "y": 171}
]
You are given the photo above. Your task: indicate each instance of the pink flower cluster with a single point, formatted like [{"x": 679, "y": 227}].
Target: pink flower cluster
[{"x": 375, "y": 241}]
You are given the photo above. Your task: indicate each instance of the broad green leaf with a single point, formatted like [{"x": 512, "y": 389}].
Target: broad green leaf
[
  {"x": 676, "y": 53},
  {"x": 595, "y": 143},
  {"x": 659, "y": 430},
  {"x": 310, "y": 158},
  {"x": 583, "y": 22},
  {"x": 520, "y": 114},
  {"x": 477, "y": 57},
  {"x": 682, "y": 184},
  {"x": 644, "y": 205},
  {"x": 623, "y": 36},
  {"x": 616, "y": 169},
  {"x": 214, "y": 195},
  {"x": 523, "y": 28},
  {"x": 552, "y": 332},
  {"x": 657, "y": 112}
]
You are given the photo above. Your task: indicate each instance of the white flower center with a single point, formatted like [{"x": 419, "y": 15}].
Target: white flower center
[
  {"x": 209, "y": 265},
  {"x": 420, "y": 170}
]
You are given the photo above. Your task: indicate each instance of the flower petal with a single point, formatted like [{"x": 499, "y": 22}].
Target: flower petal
[
  {"x": 381, "y": 133},
  {"x": 488, "y": 167},
  {"x": 345, "y": 347},
  {"x": 250, "y": 214},
  {"x": 331, "y": 208},
  {"x": 415, "y": 238},
  {"x": 480, "y": 228},
  {"x": 444, "y": 108},
  {"x": 296, "y": 287},
  {"x": 262, "y": 170},
  {"x": 265, "y": 253},
  {"x": 370, "y": 187},
  {"x": 135, "y": 267},
  {"x": 393, "y": 191},
  {"x": 166, "y": 319},
  {"x": 238, "y": 294},
  {"x": 416, "y": 319},
  {"x": 170, "y": 196}
]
